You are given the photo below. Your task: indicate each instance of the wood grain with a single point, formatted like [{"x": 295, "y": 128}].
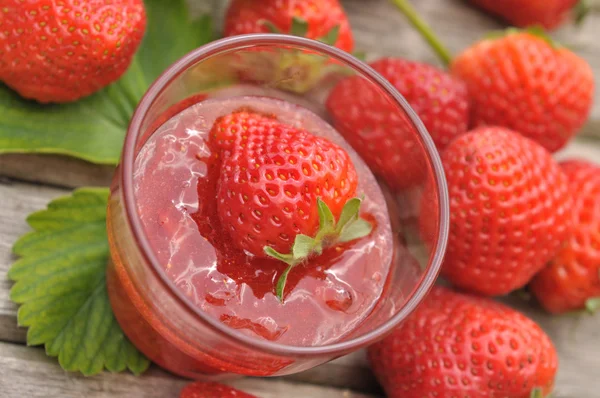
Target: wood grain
[
  {"x": 28, "y": 372},
  {"x": 55, "y": 170}
]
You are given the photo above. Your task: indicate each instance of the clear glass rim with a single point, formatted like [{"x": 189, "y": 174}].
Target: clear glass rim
[{"x": 134, "y": 222}]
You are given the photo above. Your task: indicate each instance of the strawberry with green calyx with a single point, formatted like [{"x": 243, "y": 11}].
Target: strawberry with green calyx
[
  {"x": 300, "y": 28},
  {"x": 323, "y": 20},
  {"x": 60, "y": 51},
  {"x": 571, "y": 280},
  {"x": 287, "y": 68},
  {"x": 547, "y": 13},
  {"x": 280, "y": 190},
  {"x": 348, "y": 228},
  {"x": 521, "y": 81}
]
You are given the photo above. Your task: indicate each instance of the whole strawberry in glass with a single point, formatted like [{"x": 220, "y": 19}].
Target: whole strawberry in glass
[{"x": 283, "y": 192}]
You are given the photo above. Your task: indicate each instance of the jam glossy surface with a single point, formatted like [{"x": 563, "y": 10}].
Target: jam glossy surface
[{"x": 326, "y": 298}]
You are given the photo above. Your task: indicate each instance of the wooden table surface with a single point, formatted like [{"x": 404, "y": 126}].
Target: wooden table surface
[{"x": 27, "y": 183}]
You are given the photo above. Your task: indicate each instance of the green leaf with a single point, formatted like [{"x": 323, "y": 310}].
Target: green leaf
[
  {"x": 270, "y": 26},
  {"x": 171, "y": 34},
  {"x": 349, "y": 228},
  {"x": 535, "y": 30},
  {"x": 592, "y": 305},
  {"x": 93, "y": 128},
  {"x": 303, "y": 247},
  {"x": 355, "y": 230},
  {"x": 326, "y": 219},
  {"x": 332, "y": 36},
  {"x": 280, "y": 287},
  {"x": 286, "y": 258},
  {"x": 61, "y": 287},
  {"x": 349, "y": 213},
  {"x": 361, "y": 55},
  {"x": 299, "y": 27}
]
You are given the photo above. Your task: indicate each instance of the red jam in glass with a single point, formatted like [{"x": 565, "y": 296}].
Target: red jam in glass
[{"x": 325, "y": 299}]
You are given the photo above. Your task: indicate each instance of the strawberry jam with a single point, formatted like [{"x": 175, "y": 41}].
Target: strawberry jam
[{"x": 175, "y": 187}]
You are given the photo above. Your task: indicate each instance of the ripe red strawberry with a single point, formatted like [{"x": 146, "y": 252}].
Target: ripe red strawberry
[
  {"x": 509, "y": 210},
  {"x": 323, "y": 20},
  {"x": 212, "y": 390},
  {"x": 60, "y": 51},
  {"x": 461, "y": 345},
  {"x": 522, "y": 82},
  {"x": 547, "y": 13},
  {"x": 281, "y": 189},
  {"x": 573, "y": 276},
  {"x": 384, "y": 137}
]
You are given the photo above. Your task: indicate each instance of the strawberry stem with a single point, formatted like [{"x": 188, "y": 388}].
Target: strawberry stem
[
  {"x": 425, "y": 30},
  {"x": 348, "y": 228},
  {"x": 581, "y": 10}
]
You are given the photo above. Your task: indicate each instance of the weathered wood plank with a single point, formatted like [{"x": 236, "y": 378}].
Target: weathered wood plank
[
  {"x": 28, "y": 372},
  {"x": 17, "y": 200},
  {"x": 54, "y": 170}
]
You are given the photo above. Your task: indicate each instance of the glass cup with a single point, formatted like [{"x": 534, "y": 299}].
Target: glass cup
[{"x": 159, "y": 319}]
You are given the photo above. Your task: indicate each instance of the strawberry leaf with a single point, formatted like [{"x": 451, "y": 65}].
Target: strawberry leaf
[
  {"x": 93, "y": 128},
  {"x": 270, "y": 26},
  {"x": 280, "y": 287},
  {"x": 286, "y": 258},
  {"x": 349, "y": 228},
  {"x": 326, "y": 219},
  {"x": 299, "y": 27},
  {"x": 361, "y": 55},
  {"x": 354, "y": 230},
  {"x": 349, "y": 213},
  {"x": 332, "y": 36},
  {"x": 303, "y": 246},
  {"x": 61, "y": 287}
]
